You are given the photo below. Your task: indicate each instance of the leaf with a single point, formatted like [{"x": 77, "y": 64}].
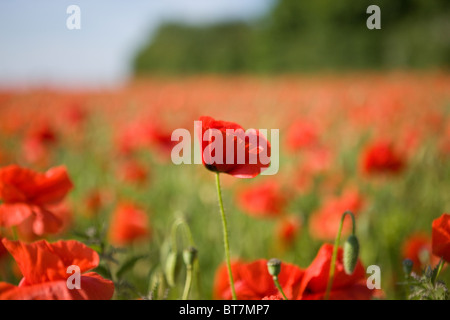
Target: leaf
[
  {"x": 128, "y": 265},
  {"x": 103, "y": 271},
  {"x": 436, "y": 271}
]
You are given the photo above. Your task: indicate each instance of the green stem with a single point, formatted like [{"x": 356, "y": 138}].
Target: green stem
[
  {"x": 188, "y": 283},
  {"x": 280, "y": 289},
  {"x": 225, "y": 237},
  {"x": 335, "y": 251},
  {"x": 439, "y": 266}
]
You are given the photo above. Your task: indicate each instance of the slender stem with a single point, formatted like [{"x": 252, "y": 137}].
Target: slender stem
[
  {"x": 277, "y": 284},
  {"x": 335, "y": 251},
  {"x": 188, "y": 283},
  {"x": 225, "y": 237},
  {"x": 439, "y": 266}
]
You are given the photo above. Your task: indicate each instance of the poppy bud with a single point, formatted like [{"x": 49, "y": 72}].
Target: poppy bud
[
  {"x": 407, "y": 266},
  {"x": 189, "y": 256},
  {"x": 351, "y": 252},
  {"x": 170, "y": 269},
  {"x": 274, "y": 267}
]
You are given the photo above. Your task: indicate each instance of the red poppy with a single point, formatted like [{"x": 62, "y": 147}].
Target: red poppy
[
  {"x": 253, "y": 281},
  {"x": 74, "y": 114},
  {"x": 345, "y": 287},
  {"x": 128, "y": 224},
  {"x": 262, "y": 200},
  {"x": 28, "y": 194},
  {"x": 133, "y": 172},
  {"x": 256, "y": 155},
  {"x": 96, "y": 200},
  {"x": 143, "y": 134},
  {"x": 417, "y": 248},
  {"x": 38, "y": 142},
  {"x": 288, "y": 229},
  {"x": 324, "y": 223},
  {"x": 380, "y": 157},
  {"x": 44, "y": 269},
  {"x": 440, "y": 237},
  {"x": 62, "y": 211},
  {"x": 302, "y": 134}
]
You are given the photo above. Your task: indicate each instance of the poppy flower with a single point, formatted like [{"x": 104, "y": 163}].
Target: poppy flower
[
  {"x": 253, "y": 281},
  {"x": 28, "y": 194},
  {"x": 75, "y": 115},
  {"x": 380, "y": 157},
  {"x": 128, "y": 224},
  {"x": 302, "y": 134},
  {"x": 252, "y": 145},
  {"x": 44, "y": 269},
  {"x": 440, "y": 237},
  {"x": 288, "y": 229},
  {"x": 38, "y": 142},
  {"x": 417, "y": 248},
  {"x": 262, "y": 200},
  {"x": 95, "y": 201},
  {"x": 324, "y": 223},
  {"x": 61, "y": 211},
  {"x": 345, "y": 287},
  {"x": 133, "y": 172}
]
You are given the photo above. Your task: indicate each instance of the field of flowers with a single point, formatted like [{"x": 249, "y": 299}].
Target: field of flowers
[{"x": 86, "y": 179}]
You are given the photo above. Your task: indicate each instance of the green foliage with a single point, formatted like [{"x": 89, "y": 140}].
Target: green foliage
[
  {"x": 306, "y": 36},
  {"x": 427, "y": 286}
]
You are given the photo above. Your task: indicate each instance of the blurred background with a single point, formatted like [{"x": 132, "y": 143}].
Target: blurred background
[{"x": 118, "y": 40}]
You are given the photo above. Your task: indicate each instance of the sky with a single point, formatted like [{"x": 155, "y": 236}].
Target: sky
[{"x": 37, "y": 48}]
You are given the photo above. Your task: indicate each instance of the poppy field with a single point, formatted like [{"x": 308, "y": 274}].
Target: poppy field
[{"x": 358, "y": 208}]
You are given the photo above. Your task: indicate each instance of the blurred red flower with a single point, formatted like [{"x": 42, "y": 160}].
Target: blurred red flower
[
  {"x": 440, "y": 237},
  {"x": 38, "y": 142},
  {"x": 128, "y": 225},
  {"x": 345, "y": 287},
  {"x": 133, "y": 172},
  {"x": 262, "y": 200},
  {"x": 253, "y": 281},
  {"x": 245, "y": 170},
  {"x": 324, "y": 223},
  {"x": 288, "y": 229},
  {"x": 74, "y": 114},
  {"x": 380, "y": 157},
  {"x": 144, "y": 134},
  {"x": 44, "y": 269},
  {"x": 30, "y": 195},
  {"x": 302, "y": 134},
  {"x": 417, "y": 248},
  {"x": 96, "y": 200}
]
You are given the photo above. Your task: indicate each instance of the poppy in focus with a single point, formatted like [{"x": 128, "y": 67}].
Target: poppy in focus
[{"x": 251, "y": 145}]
